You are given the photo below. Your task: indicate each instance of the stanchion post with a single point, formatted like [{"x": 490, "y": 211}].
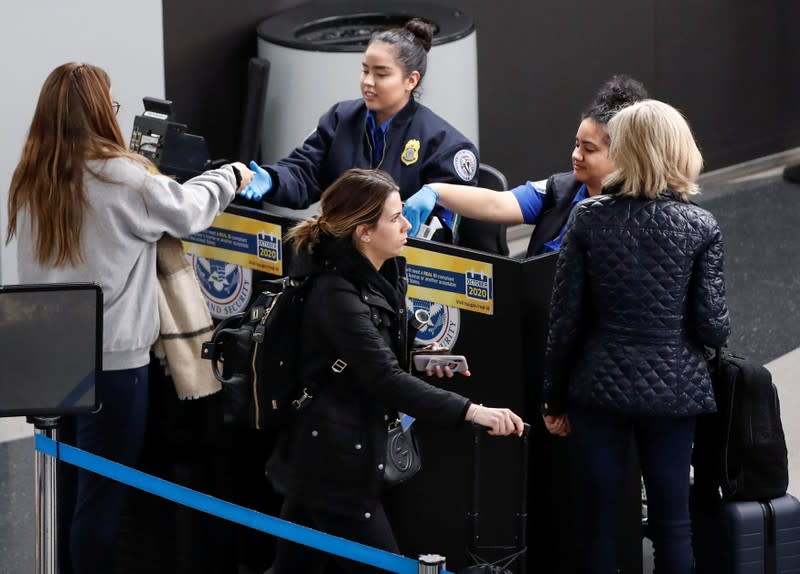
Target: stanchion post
[
  {"x": 431, "y": 564},
  {"x": 46, "y": 499}
]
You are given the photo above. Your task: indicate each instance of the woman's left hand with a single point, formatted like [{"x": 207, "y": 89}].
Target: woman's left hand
[{"x": 557, "y": 425}]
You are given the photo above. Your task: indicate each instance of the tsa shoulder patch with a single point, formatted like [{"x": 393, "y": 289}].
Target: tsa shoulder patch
[
  {"x": 466, "y": 164},
  {"x": 410, "y": 152}
]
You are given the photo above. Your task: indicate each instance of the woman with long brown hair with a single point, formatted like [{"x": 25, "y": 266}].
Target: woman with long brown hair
[
  {"x": 84, "y": 209},
  {"x": 330, "y": 463}
]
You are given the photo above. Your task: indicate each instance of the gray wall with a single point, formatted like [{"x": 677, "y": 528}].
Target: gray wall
[
  {"x": 38, "y": 35},
  {"x": 726, "y": 63}
]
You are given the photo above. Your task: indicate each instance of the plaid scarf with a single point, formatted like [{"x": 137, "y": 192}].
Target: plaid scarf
[{"x": 185, "y": 323}]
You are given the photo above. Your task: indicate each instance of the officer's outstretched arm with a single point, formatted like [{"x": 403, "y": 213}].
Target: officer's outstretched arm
[{"x": 479, "y": 203}]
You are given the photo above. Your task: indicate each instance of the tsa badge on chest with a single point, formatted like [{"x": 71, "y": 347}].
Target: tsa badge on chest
[{"x": 410, "y": 152}]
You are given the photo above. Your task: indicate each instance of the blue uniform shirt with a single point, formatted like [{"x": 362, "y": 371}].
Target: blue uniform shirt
[
  {"x": 377, "y": 133},
  {"x": 530, "y": 197}
]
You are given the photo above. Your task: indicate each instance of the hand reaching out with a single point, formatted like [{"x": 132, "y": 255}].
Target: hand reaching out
[
  {"x": 418, "y": 207},
  {"x": 260, "y": 183},
  {"x": 244, "y": 173},
  {"x": 500, "y": 422}
]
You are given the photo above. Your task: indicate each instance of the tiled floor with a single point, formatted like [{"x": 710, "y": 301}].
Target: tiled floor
[
  {"x": 16, "y": 502},
  {"x": 757, "y": 213}
]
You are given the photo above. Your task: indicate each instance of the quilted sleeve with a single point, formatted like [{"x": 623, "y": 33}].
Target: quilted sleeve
[
  {"x": 567, "y": 308},
  {"x": 710, "y": 321}
]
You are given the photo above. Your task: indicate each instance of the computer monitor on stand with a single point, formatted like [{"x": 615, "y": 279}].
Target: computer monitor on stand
[{"x": 51, "y": 344}]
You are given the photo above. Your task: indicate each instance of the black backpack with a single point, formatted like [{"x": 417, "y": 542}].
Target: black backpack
[
  {"x": 741, "y": 449},
  {"x": 254, "y": 355}
]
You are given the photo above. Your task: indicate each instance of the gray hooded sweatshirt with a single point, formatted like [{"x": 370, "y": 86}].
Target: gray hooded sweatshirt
[{"x": 130, "y": 209}]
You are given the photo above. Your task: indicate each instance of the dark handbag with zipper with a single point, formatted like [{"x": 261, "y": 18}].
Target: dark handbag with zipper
[{"x": 402, "y": 455}]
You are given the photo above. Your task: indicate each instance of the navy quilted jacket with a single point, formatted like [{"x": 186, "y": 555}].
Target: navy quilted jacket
[{"x": 638, "y": 291}]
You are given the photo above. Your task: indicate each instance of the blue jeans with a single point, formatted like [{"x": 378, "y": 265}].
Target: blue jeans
[
  {"x": 664, "y": 444},
  {"x": 116, "y": 432}
]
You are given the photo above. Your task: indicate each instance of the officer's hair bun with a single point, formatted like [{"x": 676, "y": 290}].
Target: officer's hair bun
[
  {"x": 422, "y": 31},
  {"x": 616, "y": 93}
]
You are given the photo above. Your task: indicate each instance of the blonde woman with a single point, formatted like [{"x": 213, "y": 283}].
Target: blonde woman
[{"x": 639, "y": 290}]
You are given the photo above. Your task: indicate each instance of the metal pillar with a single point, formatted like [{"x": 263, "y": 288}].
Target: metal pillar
[
  {"x": 431, "y": 564},
  {"x": 46, "y": 499}
]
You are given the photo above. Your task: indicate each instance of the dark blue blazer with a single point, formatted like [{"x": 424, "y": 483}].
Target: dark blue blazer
[{"x": 340, "y": 142}]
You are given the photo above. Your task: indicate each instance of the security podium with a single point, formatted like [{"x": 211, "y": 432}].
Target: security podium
[{"x": 492, "y": 309}]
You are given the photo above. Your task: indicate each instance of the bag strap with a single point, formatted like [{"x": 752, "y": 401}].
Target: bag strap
[{"x": 728, "y": 484}]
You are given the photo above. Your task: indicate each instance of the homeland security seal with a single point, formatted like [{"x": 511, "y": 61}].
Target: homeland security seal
[
  {"x": 226, "y": 287},
  {"x": 443, "y": 325},
  {"x": 466, "y": 164},
  {"x": 410, "y": 152}
]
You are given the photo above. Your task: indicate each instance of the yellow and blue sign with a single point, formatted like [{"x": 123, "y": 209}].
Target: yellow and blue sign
[
  {"x": 455, "y": 281},
  {"x": 240, "y": 241}
]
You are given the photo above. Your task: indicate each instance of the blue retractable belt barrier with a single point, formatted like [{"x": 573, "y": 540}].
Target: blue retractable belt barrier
[{"x": 232, "y": 512}]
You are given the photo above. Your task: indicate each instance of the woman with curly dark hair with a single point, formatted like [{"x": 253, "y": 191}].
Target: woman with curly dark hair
[{"x": 546, "y": 203}]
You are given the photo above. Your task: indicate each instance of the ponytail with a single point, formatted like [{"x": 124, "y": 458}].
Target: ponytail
[
  {"x": 305, "y": 235},
  {"x": 355, "y": 198}
]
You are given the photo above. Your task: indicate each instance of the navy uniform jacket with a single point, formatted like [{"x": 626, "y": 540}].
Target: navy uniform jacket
[{"x": 420, "y": 148}]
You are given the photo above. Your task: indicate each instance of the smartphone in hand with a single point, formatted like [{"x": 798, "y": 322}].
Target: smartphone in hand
[{"x": 457, "y": 363}]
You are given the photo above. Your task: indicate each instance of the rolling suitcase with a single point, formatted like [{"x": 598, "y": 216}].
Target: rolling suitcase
[
  {"x": 749, "y": 538},
  {"x": 505, "y": 559},
  {"x": 763, "y": 537}
]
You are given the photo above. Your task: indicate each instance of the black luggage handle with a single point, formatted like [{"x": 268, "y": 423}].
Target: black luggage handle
[{"x": 521, "y": 516}]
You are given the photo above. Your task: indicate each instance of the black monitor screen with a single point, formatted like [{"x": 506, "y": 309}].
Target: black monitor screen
[{"x": 50, "y": 348}]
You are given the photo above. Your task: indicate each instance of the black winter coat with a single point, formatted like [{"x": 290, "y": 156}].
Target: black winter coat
[
  {"x": 332, "y": 456},
  {"x": 638, "y": 291}
]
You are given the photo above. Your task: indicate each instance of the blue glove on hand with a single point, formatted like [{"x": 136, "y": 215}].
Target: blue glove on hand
[
  {"x": 259, "y": 186},
  {"x": 418, "y": 207}
]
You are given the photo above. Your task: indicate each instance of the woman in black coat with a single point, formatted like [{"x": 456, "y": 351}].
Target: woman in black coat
[
  {"x": 638, "y": 292},
  {"x": 330, "y": 463}
]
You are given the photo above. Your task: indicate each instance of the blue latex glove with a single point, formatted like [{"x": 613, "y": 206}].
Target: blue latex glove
[
  {"x": 259, "y": 186},
  {"x": 418, "y": 207}
]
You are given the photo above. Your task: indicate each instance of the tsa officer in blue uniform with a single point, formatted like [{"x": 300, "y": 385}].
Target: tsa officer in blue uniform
[
  {"x": 385, "y": 129},
  {"x": 547, "y": 203}
]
